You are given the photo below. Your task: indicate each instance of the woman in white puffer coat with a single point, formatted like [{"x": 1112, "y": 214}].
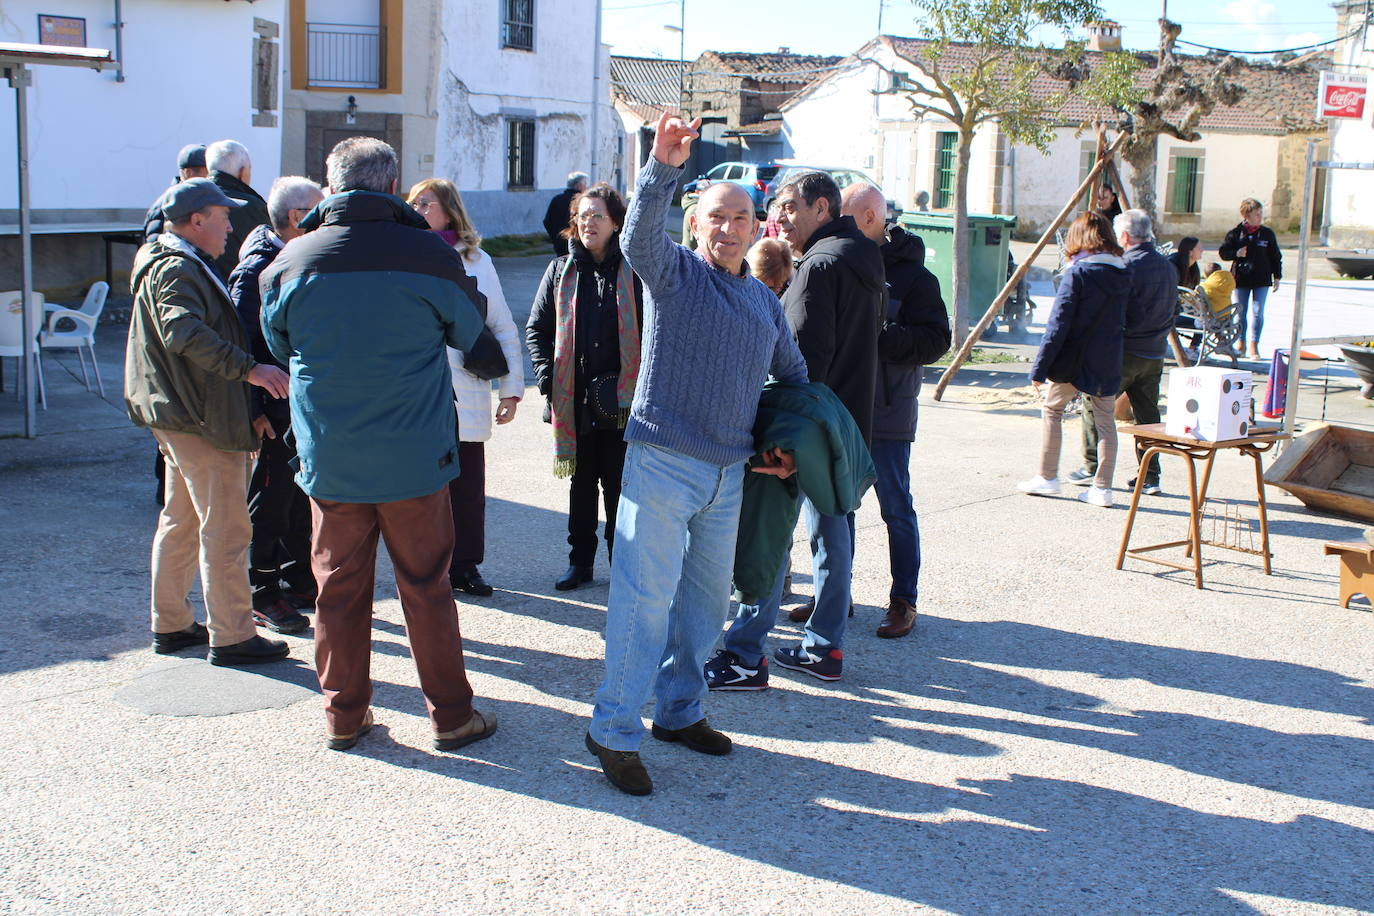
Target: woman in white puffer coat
[{"x": 439, "y": 202}]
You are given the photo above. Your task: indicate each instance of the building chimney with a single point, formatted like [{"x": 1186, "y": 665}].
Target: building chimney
[{"x": 1104, "y": 35}]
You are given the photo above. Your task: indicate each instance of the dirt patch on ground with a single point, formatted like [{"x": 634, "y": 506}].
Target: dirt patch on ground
[{"x": 1001, "y": 397}]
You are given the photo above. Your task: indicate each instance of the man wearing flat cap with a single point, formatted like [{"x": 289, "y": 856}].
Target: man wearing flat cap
[{"x": 187, "y": 376}]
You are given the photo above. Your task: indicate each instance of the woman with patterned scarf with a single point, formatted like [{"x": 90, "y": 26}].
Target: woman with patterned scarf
[{"x": 583, "y": 336}]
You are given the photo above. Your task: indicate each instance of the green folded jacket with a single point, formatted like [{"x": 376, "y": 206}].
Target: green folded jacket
[{"x": 834, "y": 470}]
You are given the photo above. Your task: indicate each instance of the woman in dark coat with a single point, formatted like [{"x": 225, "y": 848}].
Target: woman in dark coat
[
  {"x": 1257, "y": 264},
  {"x": 583, "y": 336},
  {"x": 1081, "y": 352}
]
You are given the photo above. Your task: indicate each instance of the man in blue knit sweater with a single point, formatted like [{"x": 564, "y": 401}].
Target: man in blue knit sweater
[{"x": 712, "y": 336}]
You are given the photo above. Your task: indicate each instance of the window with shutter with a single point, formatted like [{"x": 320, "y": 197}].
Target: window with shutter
[
  {"x": 519, "y": 154},
  {"x": 947, "y": 144},
  {"x": 517, "y": 27}
]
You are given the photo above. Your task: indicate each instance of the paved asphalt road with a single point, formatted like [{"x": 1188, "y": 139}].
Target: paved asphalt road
[{"x": 1056, "y": 737}]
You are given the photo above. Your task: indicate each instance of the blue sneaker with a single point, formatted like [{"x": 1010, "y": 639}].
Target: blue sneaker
[
  {"x": 727, "y": 671},
  {"x": 827, "y": 667}
]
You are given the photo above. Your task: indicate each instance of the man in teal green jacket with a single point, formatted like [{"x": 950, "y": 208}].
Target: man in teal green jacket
[{"x": 360, "y": 308}]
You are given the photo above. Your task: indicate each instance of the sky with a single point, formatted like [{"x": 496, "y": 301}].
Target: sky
[{"x": 636, "y": 27}]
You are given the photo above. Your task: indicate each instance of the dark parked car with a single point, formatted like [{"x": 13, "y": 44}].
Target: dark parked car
[{"x": 843, "y": 177}]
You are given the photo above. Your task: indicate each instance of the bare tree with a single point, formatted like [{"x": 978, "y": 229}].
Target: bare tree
[
  {"x": 1174, "y": 103},
  {"x": 981, "y": 63}
]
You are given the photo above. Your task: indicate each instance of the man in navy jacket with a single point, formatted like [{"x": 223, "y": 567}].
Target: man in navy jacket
[{"x": 915, "y": 332}]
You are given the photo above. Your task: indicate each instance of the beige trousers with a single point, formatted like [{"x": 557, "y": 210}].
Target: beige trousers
[
  {"x": 203, "y": 528},
  {"x": 1057, "y": 397}
]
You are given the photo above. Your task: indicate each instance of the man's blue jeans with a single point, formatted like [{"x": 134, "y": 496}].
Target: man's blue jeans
[
  {"x": 832, "y": 565},
  {"x": 675, "y": 532},
  {"x": 892, "y": 458}
]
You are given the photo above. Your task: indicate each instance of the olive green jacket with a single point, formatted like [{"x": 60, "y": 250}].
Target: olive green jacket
[{"x": 187, "y": 359}]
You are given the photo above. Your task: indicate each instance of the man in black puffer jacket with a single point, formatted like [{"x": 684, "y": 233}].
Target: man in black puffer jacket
[
  {"x": 278, "y": 510},
  {"x": 835, "y": 306},
  {"x": 915, "y": 333},
  {"x": 231, "y": 170}
]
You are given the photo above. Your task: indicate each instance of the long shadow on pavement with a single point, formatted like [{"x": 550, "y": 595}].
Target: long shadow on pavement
[{"x": 1030, "y": 842}]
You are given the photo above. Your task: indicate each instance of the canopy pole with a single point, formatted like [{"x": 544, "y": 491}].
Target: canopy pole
[
  {"x": 21, "y": 78},
  {"x": 1290, "y": 400}
]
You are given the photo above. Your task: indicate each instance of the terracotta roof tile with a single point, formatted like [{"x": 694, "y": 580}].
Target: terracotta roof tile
[
  {"x": 788, "y": 68},
  {"x": 1278, "y": 99}
]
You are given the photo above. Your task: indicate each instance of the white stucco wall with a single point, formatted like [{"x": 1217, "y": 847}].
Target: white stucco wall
[
  {"x": 834, "y": 124},
  {"x": 101, "y": 145},
  {"x": 1044, "y": 181},
  {"x": 481, "y": 84},
  {"x": 1235, "y": 166}
]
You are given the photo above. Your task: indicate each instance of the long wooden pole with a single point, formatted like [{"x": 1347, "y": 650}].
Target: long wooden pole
[{"x": 993, "y": 310}]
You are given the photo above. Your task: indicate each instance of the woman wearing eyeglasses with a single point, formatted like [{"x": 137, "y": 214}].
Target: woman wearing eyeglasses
[
  {"x": 583, "y": 336},
  {"x": 439, "y": 202}
]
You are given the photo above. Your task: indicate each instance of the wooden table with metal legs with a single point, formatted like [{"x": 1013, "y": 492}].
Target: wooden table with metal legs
[{"x": 1156, "y": 441}]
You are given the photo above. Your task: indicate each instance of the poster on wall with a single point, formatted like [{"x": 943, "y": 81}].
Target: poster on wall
[
  {"x": 67, "y": 31},
  {"x": 1342, "y": 95}
]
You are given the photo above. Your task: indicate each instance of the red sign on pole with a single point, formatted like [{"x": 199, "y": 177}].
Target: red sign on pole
[{"x": 1342, "y": 95}]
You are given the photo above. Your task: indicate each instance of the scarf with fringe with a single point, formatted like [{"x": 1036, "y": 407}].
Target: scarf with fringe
[{"x": 563, "y": 408}]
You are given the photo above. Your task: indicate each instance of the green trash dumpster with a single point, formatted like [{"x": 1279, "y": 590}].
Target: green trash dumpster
[{"x": 989, "y": 240}]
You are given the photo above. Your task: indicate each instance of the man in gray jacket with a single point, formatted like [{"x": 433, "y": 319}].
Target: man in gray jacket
[{"x": 1150, "y": 310}]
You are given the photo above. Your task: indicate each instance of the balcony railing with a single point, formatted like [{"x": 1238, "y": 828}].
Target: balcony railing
[{"x": 345, "y": 56}]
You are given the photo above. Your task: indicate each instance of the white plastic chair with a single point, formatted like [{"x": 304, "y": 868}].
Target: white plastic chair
[
  {"x": 12, "y": 335},
  {"x": 86, "y": 319}
]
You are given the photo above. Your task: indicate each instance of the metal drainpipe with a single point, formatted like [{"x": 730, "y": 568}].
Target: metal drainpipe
[
  {"x": 119, "y": 41},
  {"x": 596, "y": 99}
]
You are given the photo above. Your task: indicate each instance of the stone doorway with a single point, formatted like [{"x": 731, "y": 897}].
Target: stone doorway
[{"x": 324, "y": 129}]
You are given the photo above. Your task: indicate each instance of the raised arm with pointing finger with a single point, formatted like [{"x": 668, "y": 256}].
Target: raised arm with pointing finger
[{"x": 712, "y": 336}]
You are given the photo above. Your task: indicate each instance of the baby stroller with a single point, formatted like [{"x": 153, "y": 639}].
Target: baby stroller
[{"x": 1214, "y": 332}]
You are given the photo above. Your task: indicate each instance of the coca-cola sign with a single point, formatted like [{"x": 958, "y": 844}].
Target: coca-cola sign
[{"x": 1342, "y": 95}]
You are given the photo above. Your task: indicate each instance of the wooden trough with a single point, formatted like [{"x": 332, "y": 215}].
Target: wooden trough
[{"x": 1331, "y": 469}]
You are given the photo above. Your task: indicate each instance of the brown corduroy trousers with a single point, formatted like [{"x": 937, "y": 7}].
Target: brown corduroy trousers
[{"x": 419, "y": 538}]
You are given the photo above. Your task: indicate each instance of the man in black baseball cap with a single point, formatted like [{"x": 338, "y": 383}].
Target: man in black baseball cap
[
  {"x": 190, "y": 164},
  {"x": 187, "y": 375}
]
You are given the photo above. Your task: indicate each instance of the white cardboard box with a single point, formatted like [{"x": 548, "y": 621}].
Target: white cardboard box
[{"x": 1209, "y": 403}]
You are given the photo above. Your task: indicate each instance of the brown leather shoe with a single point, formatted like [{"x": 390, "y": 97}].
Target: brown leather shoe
[
  {"x": 802, "y": 612},
  {"x": 899, "y": 619},
  {"x": 481, "y": 725},
  {"x": 623, "y": 768},
  {"x": 344, "y": 742},
  {"x": 699, "y": 736}
]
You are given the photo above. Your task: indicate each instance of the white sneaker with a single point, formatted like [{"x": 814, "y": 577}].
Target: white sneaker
[
  {"x": 1040, "y": 486},
  {"x": 1096, "y": 496}
]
